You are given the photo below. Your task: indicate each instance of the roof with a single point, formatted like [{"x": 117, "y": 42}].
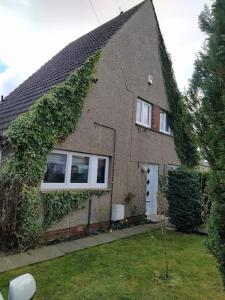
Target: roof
[{"x": 58, "y": 69}]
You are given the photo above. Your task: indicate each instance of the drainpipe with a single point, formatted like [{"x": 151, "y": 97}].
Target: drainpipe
[
  {"x": 113, "y": 167},
  {"x": 89, "y": 216}
]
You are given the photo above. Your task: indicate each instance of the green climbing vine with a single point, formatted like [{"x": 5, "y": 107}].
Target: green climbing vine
[
  {"x": 28, "y": 223},
  {"x": 56, "y": 205},
  {"x": 186, "y": 145},
  {"x": 53, "y": 206},
  {"x": 31, "y": 137}
]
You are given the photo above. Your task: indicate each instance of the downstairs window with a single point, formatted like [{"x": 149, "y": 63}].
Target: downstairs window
[{"x": 69, "y": 170}]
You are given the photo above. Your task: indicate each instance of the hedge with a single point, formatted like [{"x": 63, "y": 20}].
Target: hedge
[{"x": 184, "y": 197}]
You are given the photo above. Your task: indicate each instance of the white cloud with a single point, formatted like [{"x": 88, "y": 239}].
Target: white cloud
[
  {"x": 9, "y": 79},
  {"x": 27, "y": 45},
  {"x": 179, "y": 24},
  {"x": 32, "y": 31}
]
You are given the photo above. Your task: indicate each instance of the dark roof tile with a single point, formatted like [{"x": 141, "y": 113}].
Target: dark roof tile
[{"x": 57, "y": 69}]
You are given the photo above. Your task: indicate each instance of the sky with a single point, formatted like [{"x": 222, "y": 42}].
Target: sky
[{"x": 32, "y": 31}]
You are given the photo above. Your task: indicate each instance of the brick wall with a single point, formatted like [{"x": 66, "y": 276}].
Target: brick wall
[
  {"x": 82, "y": 230},
  {"x": 155, "y": 117}
]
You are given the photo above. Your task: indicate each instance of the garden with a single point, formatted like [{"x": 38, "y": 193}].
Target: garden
[
  {"x": 160, "y": 264},
  {"x": 132, "y": 268}
]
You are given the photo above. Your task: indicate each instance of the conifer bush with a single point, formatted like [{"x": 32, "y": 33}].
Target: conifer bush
[
  {"x": 184, "y": 193},
  {"x": 216, "y": 224},
  {"x": 206, "y": 100}
]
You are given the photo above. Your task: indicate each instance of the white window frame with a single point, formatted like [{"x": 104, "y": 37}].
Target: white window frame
[
  {"x": 163, "y": 121},
  {"x": 143, "y": 105},
  {"x": 92, "y": 173},
  {"x": 172, "y": 167}
]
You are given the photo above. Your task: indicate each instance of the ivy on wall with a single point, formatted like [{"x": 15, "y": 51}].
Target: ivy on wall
[
  {"x": 38, "y": 212},
  {"x": 31, "y": 137},
  {"x": 48, "y": 122},
  {"x": 56, "y": 205},
  {"x": 28, "y": 225},
  {"x": 185, "y": 143}
]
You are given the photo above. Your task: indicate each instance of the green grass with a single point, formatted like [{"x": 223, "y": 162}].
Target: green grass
[{"x": 129, "y": 269}]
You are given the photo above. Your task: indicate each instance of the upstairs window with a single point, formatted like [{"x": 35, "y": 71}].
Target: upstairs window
[
  {"x": 143, "y": 113},
  {"x": 164, "y": 123},
  {"x": 69, "y": 170}
]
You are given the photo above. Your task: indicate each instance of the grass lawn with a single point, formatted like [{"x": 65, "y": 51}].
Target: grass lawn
[{"x": 129, "y": 269}]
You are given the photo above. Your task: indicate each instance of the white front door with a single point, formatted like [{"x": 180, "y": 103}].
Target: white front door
[{"x": 152, "y": 189}]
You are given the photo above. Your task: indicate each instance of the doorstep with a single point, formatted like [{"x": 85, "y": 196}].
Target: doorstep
[{"x": 155, "y": 219}]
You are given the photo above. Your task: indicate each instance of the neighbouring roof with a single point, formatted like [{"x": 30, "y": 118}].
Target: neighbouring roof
[{"x": 58, "y": 69}]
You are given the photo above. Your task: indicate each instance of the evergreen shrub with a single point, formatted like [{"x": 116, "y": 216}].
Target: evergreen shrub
[
  {"x": 184, "y": 197},
  {"x": 205, "y": 199},
  {"x": 216, "y": 224}
]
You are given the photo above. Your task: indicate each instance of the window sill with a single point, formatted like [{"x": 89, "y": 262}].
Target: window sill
[
  {"x": 50, "y": 189},
  {"x": 165, "y": 132},
  {"x": 154, "y": 130},
  {"x": 143, "y": 125}
]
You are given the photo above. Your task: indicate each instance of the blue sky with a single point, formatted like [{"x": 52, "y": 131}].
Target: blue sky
[
  {"x": 3, "y": 67},
  {"x": 32, "y": 31}
]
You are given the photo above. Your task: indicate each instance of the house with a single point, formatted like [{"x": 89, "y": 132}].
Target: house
[{"x": 123, "y": 141}]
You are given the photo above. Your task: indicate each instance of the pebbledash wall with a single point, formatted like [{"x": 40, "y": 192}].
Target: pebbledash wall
[{"x": 126, "y": 61}]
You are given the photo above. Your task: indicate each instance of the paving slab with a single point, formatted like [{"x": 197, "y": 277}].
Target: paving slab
[
  {"x": 104, "y": 238},
  {"x": 88, "y": 242},
  {"x": 71, "y": 246},
  {"x": 5, "y": 265},
  {"x": 140, "y": 228},
  {"x": 76, "y": 245},
  {"x": 45, "y": 253},
  {"x": 124, "y": 233},
  {"x": 144, "y": 228},
  {"x": 156, "y": 218},
  {"x": 54, "y": 251},
  {"x": 118, "y": 234},
  {"x": 17, "y": 260},
  {"x": 152, "y": 226},
  {"x": 134, "y": 230}
]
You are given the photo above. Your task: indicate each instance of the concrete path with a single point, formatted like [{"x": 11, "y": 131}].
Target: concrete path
[{"x": 50, "y": 252}]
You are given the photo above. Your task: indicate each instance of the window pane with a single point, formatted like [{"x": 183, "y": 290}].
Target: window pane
[
  {"x": 146, "y": 113},
  {"x": 161, "y": 121},
  {"x": 79, "y": 169},
  {"x": 101, "y": 170},
  {"x": 167, "y": 128},
  {"x": 56, "y": 168},
  {"x": 138, "y": 113},
  {"x": 167, "y": 125}
]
